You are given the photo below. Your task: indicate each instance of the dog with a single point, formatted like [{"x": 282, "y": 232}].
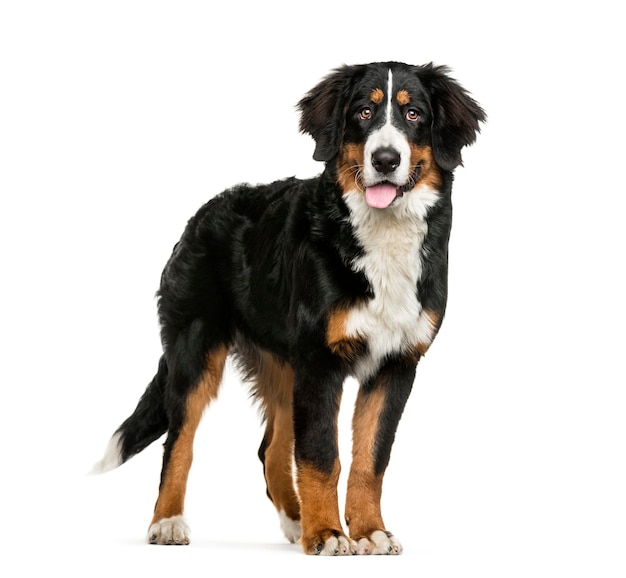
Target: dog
[{"x": 306, "y": 282}]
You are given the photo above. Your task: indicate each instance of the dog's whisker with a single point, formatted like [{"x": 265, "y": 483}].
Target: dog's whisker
[
  {"x": 358, "y": 179},
  {"x": 355, "y": 171}
]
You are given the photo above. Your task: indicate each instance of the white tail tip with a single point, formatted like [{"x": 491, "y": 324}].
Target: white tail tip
[{"x": 112, "y": 456}]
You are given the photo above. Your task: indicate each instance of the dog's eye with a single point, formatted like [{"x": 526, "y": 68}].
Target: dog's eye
[
  {"x": 412, "y": 115},
  {"x": 365, "y": 113}
]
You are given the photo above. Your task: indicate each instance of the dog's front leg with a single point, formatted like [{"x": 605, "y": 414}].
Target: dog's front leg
[
  {"x": 316, "y": 406},
  {"x": 378, "y": 408}
]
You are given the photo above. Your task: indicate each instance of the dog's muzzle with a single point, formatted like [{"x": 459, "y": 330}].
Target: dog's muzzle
[{"x": 381, "y": 195}]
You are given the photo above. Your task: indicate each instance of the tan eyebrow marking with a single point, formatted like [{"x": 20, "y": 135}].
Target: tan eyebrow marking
[
  {"x": 403, "y": 97},
  {"x": 377, "y": 96}
]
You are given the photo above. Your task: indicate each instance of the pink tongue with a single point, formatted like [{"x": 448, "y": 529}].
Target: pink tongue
[{"x": 380, "y": 196}]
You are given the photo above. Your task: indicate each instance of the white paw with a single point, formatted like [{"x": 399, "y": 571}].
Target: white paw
[
  {"x": 291, "y": 528},
  {"x": 379, "y": 543},
  {"x": 338, "y": 546},
  {"x": 172, "y": 530}
]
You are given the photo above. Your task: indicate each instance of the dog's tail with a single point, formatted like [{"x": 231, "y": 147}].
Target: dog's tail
[{"x": 147, "y": 423}]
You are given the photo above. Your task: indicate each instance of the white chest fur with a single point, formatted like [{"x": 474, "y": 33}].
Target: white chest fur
[{"x": 393, "y": 321}]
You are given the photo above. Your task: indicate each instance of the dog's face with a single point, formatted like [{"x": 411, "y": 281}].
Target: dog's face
[
  {"x": 386, "y": 147},
  {"x": 389, "y": 127}
]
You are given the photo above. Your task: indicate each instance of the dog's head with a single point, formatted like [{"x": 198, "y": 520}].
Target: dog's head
[{"x": 390, "y": 126}]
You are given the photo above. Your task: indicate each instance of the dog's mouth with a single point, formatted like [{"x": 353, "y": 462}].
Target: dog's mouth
[{"x": 384, "y": 194}]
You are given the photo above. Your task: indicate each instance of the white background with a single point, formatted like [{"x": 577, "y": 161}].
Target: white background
[{"x": 119, "y": 119}]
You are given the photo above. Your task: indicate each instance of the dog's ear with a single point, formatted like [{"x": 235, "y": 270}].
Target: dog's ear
[
  {"x": 322, "y": 111},
  {"x": 455, "y": 116}
]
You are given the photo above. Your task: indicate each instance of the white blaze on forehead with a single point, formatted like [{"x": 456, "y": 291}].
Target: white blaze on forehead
[
  {"x": 389, "y": 93},
  {"x": 387, "y": 136}
]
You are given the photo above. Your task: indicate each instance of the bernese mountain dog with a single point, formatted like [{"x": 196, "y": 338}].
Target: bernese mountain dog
[{"x": 305, "y": 282}]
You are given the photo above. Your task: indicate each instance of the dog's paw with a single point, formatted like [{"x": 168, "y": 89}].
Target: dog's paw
[
  {"x": 169, "y": 531},
  {"x": 379, "y": 542},
  {"x": 329, "y": 543},
  {"x": 291, "y": 528}
]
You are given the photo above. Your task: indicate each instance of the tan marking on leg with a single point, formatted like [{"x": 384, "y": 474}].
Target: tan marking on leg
[
  {"x": 174, "y": 484},
  {"x": 403, "y": 97},
  {"x": 347, "y": 346},
  {"x": 279, "y": 464},
  {"x": 273, "y": 380},
  {"x": 363, "y": 514},
  {"x": 274, "y": 384},
  {"x": 377, "y": 96},
  {"x": 429, "y": 173},
  {"x": 318, "y": 505}
]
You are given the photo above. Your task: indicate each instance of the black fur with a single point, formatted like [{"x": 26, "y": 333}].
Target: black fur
[{"x": 262, "y": 267}]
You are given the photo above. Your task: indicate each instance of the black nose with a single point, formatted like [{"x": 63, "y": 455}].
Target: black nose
[{"x": 386, "y": 160}]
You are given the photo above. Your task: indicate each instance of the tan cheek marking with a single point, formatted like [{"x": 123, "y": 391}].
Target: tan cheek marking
[
  {"x": 350, "y": 161},
  {"x": 348, "y": 347},
  {"x": 377, "y": 96},
  {"x": 403, "y": 97},
  {"x": 429, "y": 172}
]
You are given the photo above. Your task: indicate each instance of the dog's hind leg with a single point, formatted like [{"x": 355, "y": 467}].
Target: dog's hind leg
[
  {"x": 188, "y": 397},
  {"x": 273, "y": 385}
]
